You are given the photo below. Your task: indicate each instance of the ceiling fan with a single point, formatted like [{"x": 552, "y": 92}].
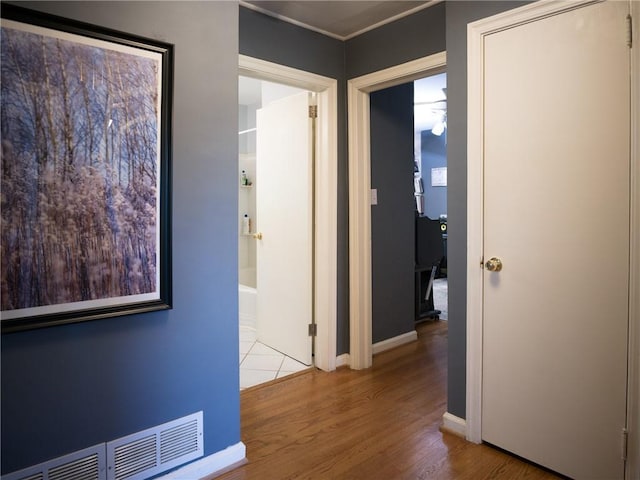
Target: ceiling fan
[
  {"x": 438, "y": 107},
  {"x": 438, "y": 104}
]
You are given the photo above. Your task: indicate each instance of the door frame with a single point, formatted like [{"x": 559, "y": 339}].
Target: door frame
[
  {"x": 358, "y": 90},
  {"x": 476, "y": 32},
  {"x": 325, "y": 262}
]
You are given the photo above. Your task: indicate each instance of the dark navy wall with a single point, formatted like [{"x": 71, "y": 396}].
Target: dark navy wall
[
  {"x": 70, "y": 387},
  {"x": 459, "y": 14},
  {"x": 433, "y": 155},
  {"x": 393, "y": 219},
  {"x": 275, "y": 41}
]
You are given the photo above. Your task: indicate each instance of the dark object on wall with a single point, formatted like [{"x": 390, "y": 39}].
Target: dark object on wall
[
  {"x": 86, "y": 159},
  {"x": 442, "y": 271},
  {"x": 429, "y": 254}
]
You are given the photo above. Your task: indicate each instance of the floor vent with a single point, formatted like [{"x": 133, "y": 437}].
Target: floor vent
[
  {"x": 87, "y": 464},
  {"x": 156, "y": 450}
]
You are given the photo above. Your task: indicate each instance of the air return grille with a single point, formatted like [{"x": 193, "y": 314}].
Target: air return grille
[
  {"x": 134, "y": 457},
  {"x": 179, "y": 441},
  {"x": 87, "y": 464},
  {"x": 155, "y": 450}
]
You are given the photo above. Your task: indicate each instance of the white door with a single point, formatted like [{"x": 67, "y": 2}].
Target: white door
[
  {"x": 284, "y": 215},
  {"x": 556, "y": 213}
]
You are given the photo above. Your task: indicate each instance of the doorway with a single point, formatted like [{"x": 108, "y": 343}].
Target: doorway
[
  {"x": 358, "y": 90},
  {"x": 325, "y": 193},
  {"x": 430, "y": 184},
  {"x": 408, "y": 147},
  {"x": 275, "y": 300}
]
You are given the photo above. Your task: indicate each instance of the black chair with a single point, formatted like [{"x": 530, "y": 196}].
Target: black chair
[{"x": 429, "y": 254}]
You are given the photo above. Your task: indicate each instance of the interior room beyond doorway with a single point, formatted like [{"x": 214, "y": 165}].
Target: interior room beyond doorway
[
  {"x": 430, "y": 179},
  {"x": 260, "y": 359}
]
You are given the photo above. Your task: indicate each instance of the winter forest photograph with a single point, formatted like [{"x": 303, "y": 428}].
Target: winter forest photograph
[{"x": 81, "y": 166}]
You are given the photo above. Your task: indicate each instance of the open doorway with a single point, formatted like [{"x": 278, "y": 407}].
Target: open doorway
[
  {"x": 408, "y": 221},
  {"x": 430, "y": 189},
  {"x": 273, "y": 329},
  {"x": 358, "y": 91},
  {"x": 325, "y": 196}
]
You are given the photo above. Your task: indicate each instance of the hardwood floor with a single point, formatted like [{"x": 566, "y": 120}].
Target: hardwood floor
[{"x": 379, "y": 423}]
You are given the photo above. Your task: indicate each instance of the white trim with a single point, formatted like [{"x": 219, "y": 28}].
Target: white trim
[
  {"x": 298, "y": 23},
  {"x": 453, "y": 424},
  {"x": 212, "y": 465},
  {"x": 476, "y": 32},
  {"x": 394, "y": 342},
  {"x": 342, "y": 360},
  {"x": 326, "y": 196},
  {"x": 633, "y": 399},
  {"x": 358, "y": 90}
]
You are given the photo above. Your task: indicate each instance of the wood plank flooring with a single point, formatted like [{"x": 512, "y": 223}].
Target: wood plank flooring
[{"x": 379, "y": 423}]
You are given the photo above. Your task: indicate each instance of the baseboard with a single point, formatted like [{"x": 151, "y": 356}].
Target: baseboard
[
  {"x": 342, "y": 360},
  {"x": 394, "y": 342},
  {"x": 212, "y": 465},
  {"x": 455, "y": 425}
]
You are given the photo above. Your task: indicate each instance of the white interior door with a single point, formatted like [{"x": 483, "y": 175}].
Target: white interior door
[
  {"x": 284, "y": 215},
  {"x": 556, "y": 212}
]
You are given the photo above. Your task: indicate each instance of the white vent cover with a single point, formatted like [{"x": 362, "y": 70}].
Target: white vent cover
[
  {"x": 134, "y": 457},
  {"x": 156, "y": 450},
  {"x": 87, "y": 464}
]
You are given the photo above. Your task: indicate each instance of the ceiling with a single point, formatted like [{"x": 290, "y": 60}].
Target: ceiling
[{"x": 341, "y": 19}]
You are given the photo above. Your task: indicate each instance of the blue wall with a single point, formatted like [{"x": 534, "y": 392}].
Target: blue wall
[
  {"x": 393, "y": 219},
  {"x": 69, "y": 387},
  {"x": 433, "y": 155}
]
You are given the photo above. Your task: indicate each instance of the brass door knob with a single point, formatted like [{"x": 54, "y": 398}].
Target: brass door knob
[
  {"x": 493, "y": 264},
  {"x": 257, "y": 236}
]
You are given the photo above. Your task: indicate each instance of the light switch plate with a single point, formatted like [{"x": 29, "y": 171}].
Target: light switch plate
[{"x": 374, "y": 196}]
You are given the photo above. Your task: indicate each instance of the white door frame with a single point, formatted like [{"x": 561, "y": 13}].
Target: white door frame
[
  {"x": 358, "y": 90},
  {"x": 475, "y": 38},
  {"x": 325, "y": 264}
]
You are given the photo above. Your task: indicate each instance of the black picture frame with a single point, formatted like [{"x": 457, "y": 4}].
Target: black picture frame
[{"x": 86, "y": 171}]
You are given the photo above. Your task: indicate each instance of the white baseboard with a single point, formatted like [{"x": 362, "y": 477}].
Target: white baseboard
[
  {"x": 345, "y": 360},
  {"x": 212, "y": 465},
  {"x": 342, "y": 360},
  {"x": 394, "y": 342},
  {"x": 455, "y": 425}
]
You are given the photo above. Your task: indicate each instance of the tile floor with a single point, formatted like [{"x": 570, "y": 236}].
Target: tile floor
[{"x": 260, "y": 363}]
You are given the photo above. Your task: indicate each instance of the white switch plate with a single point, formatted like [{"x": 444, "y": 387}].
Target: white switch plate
[{"x": 374, "y": 196}]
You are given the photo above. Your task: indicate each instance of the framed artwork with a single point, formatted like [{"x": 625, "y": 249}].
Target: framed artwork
[{"x": 85, "y": 169}]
